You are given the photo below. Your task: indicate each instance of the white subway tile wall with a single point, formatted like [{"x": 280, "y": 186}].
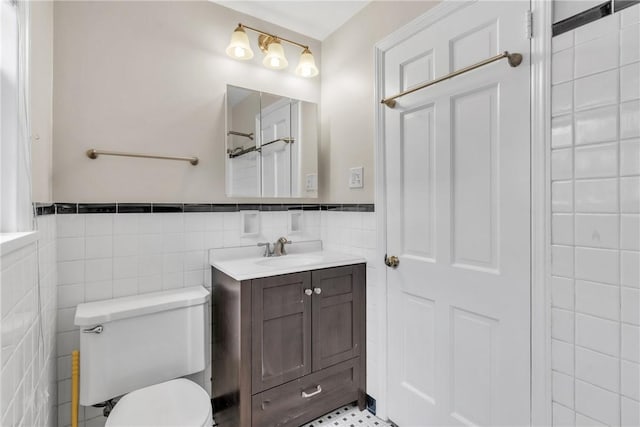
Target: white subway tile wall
[
  {"x": 562, "y": 131},
  {"x": 595, "y": 161},
  {"x": 355, "y": 233},
  {"x": 27, "y": 378},
  {"x": 104, "y": 256}
]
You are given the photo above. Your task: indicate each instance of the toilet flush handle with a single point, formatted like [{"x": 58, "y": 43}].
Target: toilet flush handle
[{"x": 95, "y": 330}]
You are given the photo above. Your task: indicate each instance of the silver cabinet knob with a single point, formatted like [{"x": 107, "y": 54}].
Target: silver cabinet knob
[
  {"x": 308, "y": 291},
  {"x": 318, "y": 291}
]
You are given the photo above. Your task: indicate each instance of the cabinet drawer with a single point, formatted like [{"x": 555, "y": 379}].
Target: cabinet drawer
[{"x": 301, "y": 400}]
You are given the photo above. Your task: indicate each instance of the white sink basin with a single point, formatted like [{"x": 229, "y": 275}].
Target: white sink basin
[
  {"x": 290, "y": 261},
  {"x": 247, "y": 262}
]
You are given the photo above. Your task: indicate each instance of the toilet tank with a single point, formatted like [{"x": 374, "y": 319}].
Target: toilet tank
[{"x": 143, "y": 340}]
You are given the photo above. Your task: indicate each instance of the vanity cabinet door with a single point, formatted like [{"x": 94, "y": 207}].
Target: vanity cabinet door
[
  {"x": 281, "y": 329},
  {"x": 338, "y": 314}
]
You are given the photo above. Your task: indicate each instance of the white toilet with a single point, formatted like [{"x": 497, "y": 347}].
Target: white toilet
[{"x": 138, "y": 347}]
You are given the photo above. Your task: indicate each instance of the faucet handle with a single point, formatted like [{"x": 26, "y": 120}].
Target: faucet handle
[{"x": 279, "y": 246}]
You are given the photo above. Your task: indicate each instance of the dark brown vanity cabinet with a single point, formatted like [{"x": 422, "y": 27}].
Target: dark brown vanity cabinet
[{"x": 289, "y": 348}]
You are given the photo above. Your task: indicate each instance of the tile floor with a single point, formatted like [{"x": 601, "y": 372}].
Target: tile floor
[{"x": 349, "y": 416}]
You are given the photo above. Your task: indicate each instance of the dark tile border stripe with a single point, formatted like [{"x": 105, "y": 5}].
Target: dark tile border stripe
[
  {"x": 134, "y": 208},
  {"x": 42, "y": 209},
  {"x": 125, "y": 208},
  {"x": 273, "y": 207},
  {"x": 66, "y": 208},
  {"x": 197, "y": 207},
  {"x": 224, "y": 207},
  {"x": 103, "y": 208},
  {"x": 167, "y": 207},
  {"x": 248, "y": 207},
  {"x": 306, "y": 207},
  {"x": 618, "y": 5},
  {"x": 582, "y": 18}
]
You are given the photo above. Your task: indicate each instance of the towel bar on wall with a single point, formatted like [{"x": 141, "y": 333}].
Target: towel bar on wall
[
  {"x": 514, "y": 60},
  {"x": 246, "y": 135},
  {"x": 239, "y": 151},
  {"x": 93, "y": 154}
]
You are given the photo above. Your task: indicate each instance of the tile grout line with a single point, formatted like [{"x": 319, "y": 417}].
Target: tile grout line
[
  {"x": 618, "y": 166},
  {"x": 573, "y": 187}
]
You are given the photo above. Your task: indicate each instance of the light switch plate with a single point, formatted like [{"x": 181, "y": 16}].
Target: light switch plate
[{"x": 356, "y": 177}]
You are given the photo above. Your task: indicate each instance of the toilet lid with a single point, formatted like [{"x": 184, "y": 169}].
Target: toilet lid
[{"x": 174, "y": 403}]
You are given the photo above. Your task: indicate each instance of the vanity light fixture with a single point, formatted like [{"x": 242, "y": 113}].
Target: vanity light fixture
[{"x": 239, "y": 48}]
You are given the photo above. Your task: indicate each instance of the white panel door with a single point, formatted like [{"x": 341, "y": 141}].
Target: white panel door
[
  {"x": 276, "y": 151},
  {"x": 457, "y": 185}
]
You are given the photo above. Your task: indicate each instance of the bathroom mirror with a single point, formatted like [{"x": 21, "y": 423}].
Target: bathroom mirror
[{"x": 272, "y": 145}]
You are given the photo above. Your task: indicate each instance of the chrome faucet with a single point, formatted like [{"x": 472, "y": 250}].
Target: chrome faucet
[
  {"x": 278, "y": 249},
  {"x": 267, "y": 249}
]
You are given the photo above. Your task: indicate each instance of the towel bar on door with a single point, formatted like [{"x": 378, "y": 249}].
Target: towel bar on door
[{"x": 514, "y": 60}]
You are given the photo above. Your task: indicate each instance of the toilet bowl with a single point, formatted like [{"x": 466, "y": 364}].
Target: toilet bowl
[{"x": 175, "y": 403}]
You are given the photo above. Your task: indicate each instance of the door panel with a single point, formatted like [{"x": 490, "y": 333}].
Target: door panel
[
  {"x": 457, "y": 182},
  {"x": 474, "y": 154},
  {"x": 418, "y": 345},
  {"x": 336, "y": 317},
  {"x": 417, "y": 181},
  {"x": 276, "y": 156},
  {"x": 474, "y": 45},
  {"x": 281, "y": 329},
  {"x": 417, "y": 70},
  {"x": 472, "y": 368}
]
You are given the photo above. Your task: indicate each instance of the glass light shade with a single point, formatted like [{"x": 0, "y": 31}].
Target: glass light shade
[
  {"x": 307, "y": 65},
  {"x": 239, "y": 47},
  {"x": 275, "y": 58}
]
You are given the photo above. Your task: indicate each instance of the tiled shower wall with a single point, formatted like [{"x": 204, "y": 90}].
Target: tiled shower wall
[
  {"x": 28, "y": 378},
  {"x": 595, "y": 162},
  {"x": 102, "y": 256}
]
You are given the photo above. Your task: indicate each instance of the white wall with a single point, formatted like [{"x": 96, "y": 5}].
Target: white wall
[
  {"x": 41, "y": 92},
  {"x": 27, "y": 378},
  {"x": 595, "y": 206},
  {"x": 348, "y": 107},
  {"x": 151, "y": 77}
]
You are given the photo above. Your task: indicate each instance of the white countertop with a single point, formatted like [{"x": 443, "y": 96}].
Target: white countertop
[{"x": 245, "y": 263}]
